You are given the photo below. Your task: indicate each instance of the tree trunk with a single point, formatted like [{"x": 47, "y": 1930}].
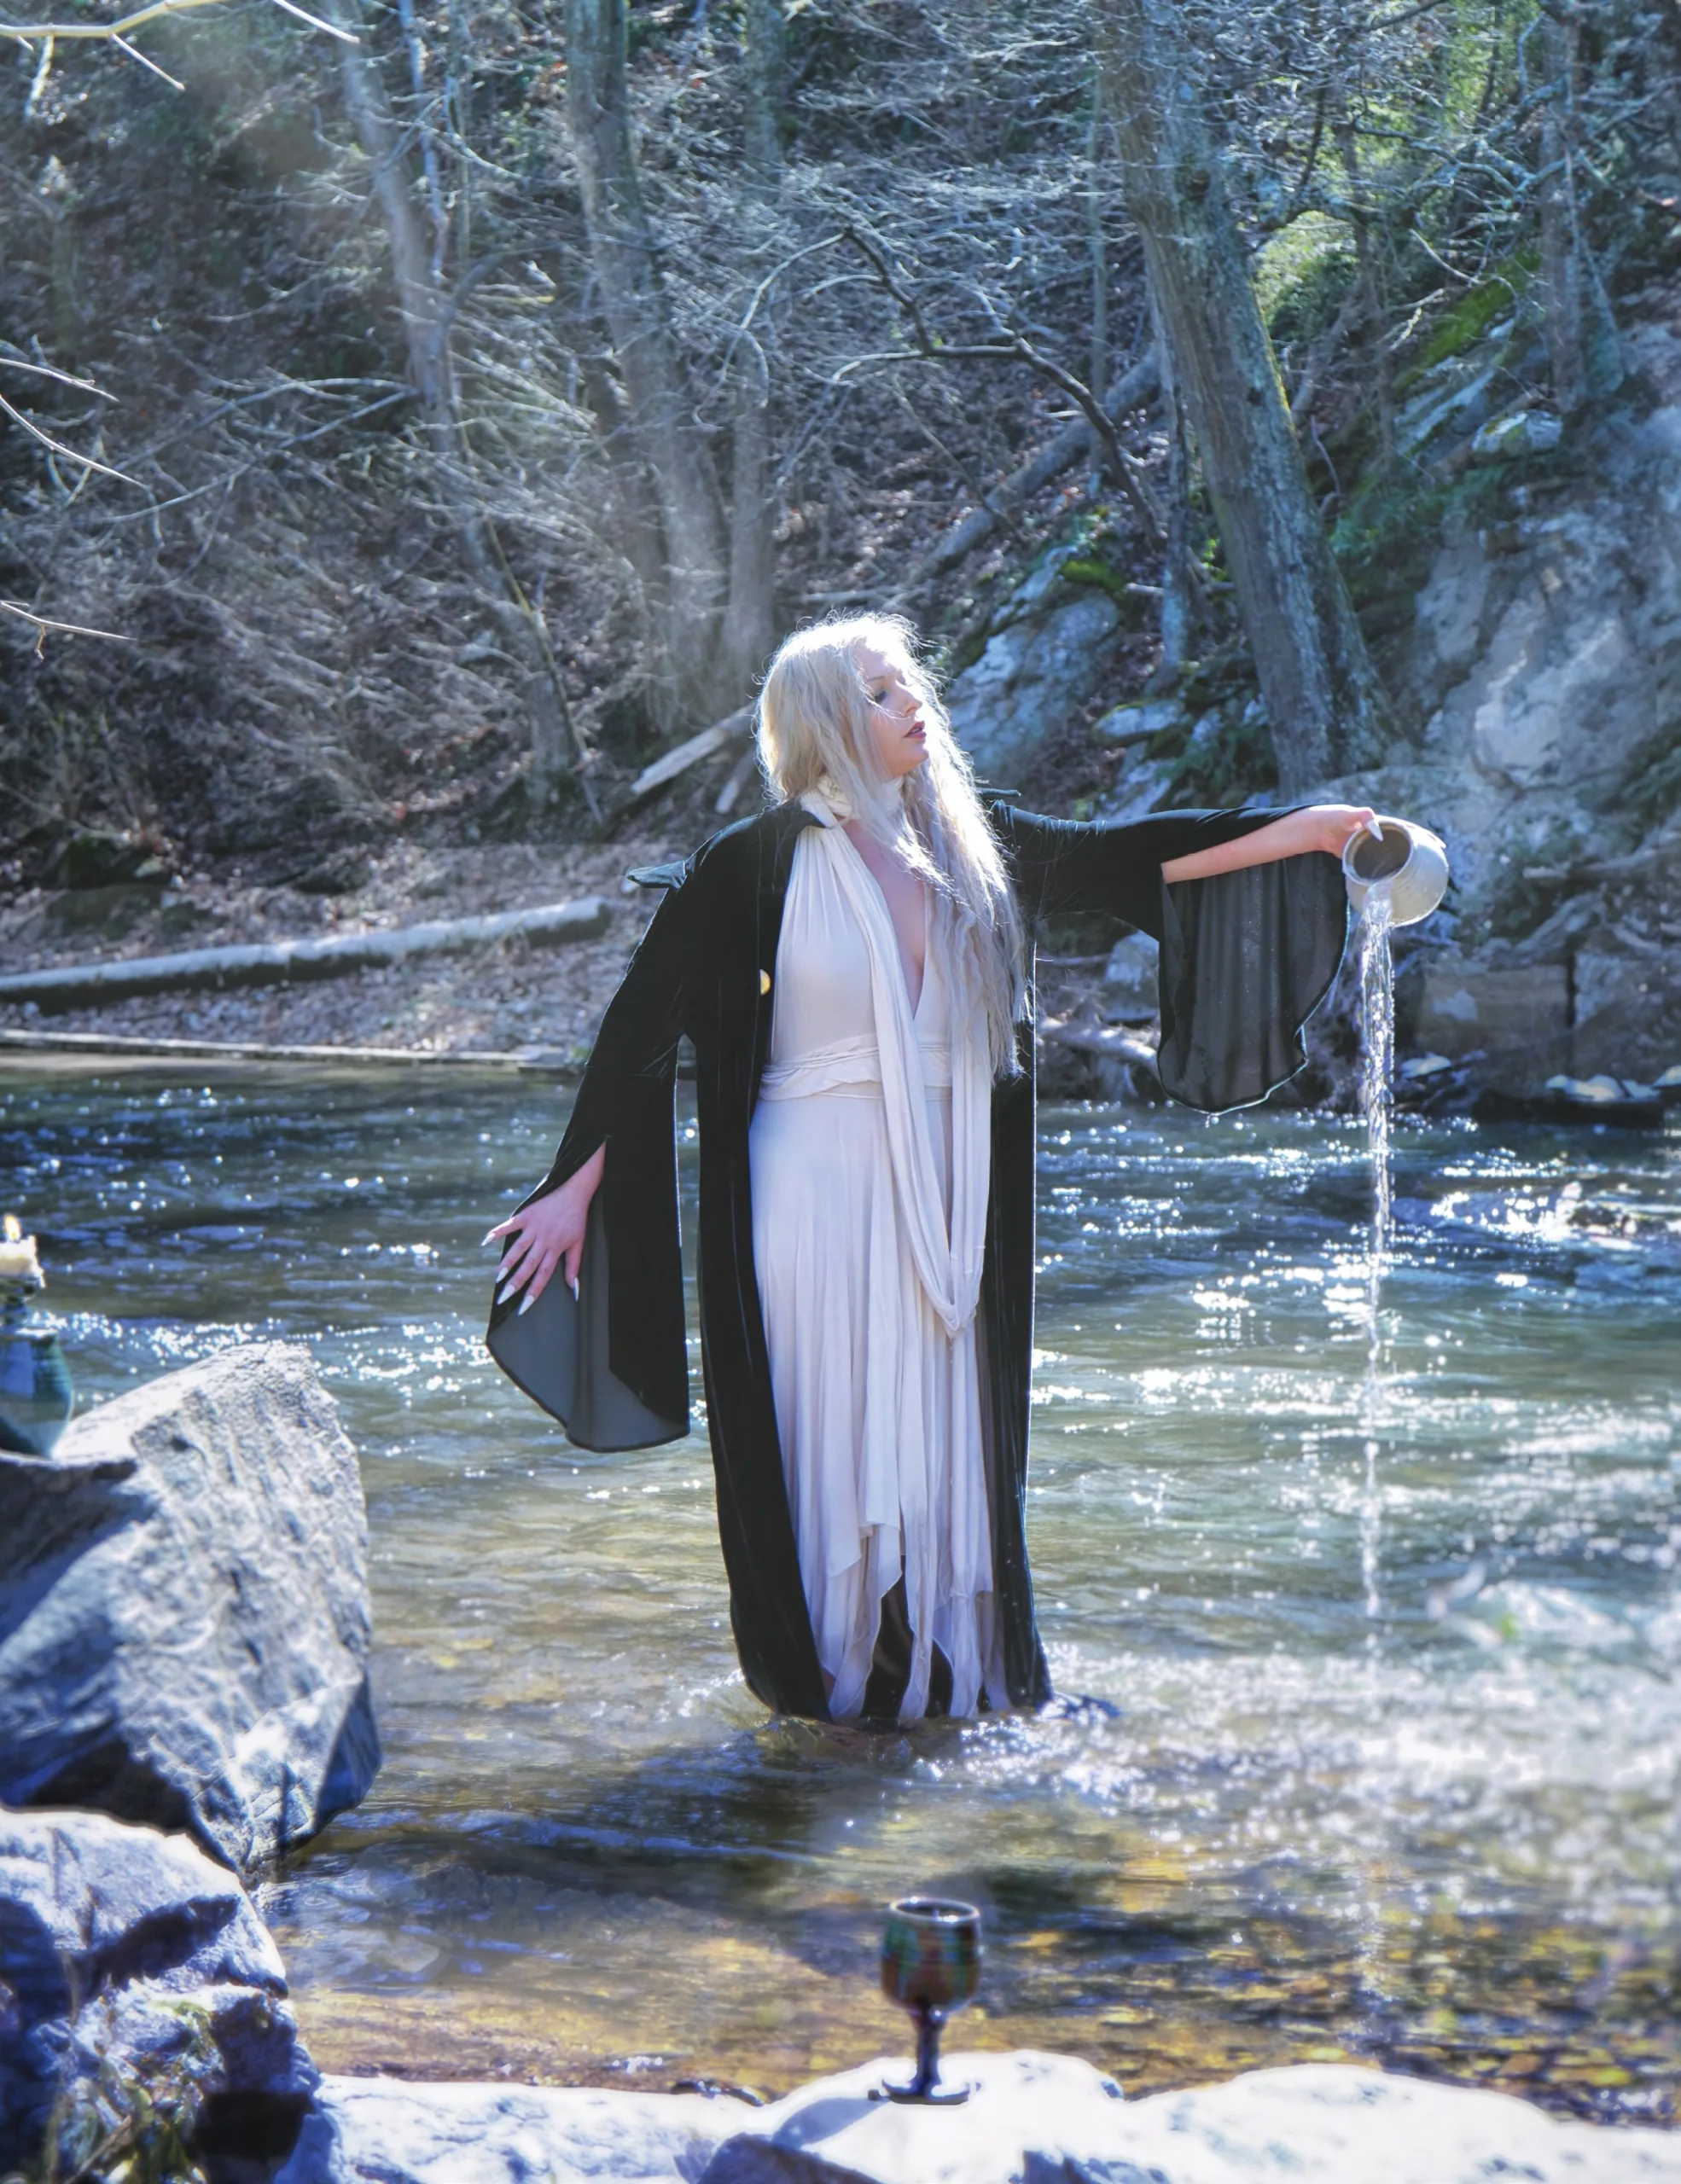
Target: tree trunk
[
  {"x": 276, "y": 962},
  {"x": 750, "y": 630},
  {"x": 671, "y": 446},
  {"x": 762, "y": 29},
  {"x": 1323, "y": 696},
  {"x": 1017, "y": 486},
  {"x": 423, "y": 302},
  {"x": 1097, "y": 256},
  {"x": 628, "y": 526},
  {"x": 1176, "y": 604},
  {"x": 1561, "y": 240},
  {"x": 750, "y": 622},
  {"x": 1369, "y": 332}
]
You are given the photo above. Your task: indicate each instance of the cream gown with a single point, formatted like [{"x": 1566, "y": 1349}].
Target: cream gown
[{"x": 871, "y": 1152}]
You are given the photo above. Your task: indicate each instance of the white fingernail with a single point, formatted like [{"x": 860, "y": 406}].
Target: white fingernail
[
  {"x": 529, "y": 1301},
  {"x": 1375, "y": 829},
  {"x": 508, "y": 1289},
  {"x": 574, "y": 1290},
  {"x": 489, "y": 1236}
]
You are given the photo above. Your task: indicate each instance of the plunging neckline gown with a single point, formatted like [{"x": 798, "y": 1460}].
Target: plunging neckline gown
[{"x": 866, "y": 1237}]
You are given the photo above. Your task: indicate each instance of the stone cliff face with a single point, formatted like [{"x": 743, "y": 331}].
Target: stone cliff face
[{"x": 1545, "y": 666}]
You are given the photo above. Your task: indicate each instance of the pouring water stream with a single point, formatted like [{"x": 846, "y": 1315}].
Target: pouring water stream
[{"x": 1377, "y": 1045}]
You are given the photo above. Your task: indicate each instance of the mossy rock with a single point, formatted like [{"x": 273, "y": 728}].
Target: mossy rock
[
  {"x": 101, "y": 858},
  {"x": 1477, "y": 312},
  {"x": 114, "y": 911}
]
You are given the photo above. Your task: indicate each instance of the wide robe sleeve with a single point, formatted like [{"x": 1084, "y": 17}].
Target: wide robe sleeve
[
  {"x": 1247, "y": 956},
  {"x": 612, "y": 1365}
]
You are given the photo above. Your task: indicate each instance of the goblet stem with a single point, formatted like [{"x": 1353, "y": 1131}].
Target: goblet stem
[
  {"x": 930, "y": 2023},
  {"x": 925, "y": 2087}
]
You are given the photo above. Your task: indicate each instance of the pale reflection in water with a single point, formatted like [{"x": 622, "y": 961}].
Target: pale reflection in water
[{"x": 1445, "y": 1841}]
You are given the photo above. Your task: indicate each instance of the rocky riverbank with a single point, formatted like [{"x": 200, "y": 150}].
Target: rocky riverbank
[{"x": 150, "y": 2033}]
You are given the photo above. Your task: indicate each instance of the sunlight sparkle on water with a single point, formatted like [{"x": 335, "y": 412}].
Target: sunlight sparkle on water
[{"x": 1450, "y": 1850}]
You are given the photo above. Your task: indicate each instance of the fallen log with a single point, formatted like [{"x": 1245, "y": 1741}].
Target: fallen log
[
  {"x": 96, "y": 1047},
  {"x": 672, "y": 764},
  {"x": 1114, "y": 1041},
  {"x": 82, "y": 985},
  {"x": 1056, "y": 456}
]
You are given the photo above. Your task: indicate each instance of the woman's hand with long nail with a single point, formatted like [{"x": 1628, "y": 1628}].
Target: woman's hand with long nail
[{"x": 548, "y": 1232}]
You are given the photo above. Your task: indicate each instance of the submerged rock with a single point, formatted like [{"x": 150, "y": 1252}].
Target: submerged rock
[
  {"x": 388, "y": 2131},
  {"x": 1035, "y": 2117},
  {"x": 183, "y": 1610},
  {"x": 141, "y": 1998}
]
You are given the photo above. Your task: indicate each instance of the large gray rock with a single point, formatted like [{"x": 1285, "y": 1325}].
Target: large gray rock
[
  {"x": 1545, "y": 666},
  {"x": 183, "y": 1610},
  {"x": 139, "y": 1991},
  {"x": 1033, "y": 681},
  {"x": 388, "y": 2131},
  {"x": 1131, "y": 977},
  {"x": 1051, "y": 2119},
  {"x": 1465, "y": 1008}
]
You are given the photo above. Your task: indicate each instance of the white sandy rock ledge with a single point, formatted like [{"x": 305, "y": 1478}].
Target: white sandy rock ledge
[
  {"x": 392, "y": 2131},
  {"x": 1032, "y": 2119}
]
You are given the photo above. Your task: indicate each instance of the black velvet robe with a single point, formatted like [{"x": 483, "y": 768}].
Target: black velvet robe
[{"x": 1245, "y": 958}]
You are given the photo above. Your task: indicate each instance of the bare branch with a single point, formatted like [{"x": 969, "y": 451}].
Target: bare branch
[
  {"x": 58, "y": 447},
  {"x": 66, "y": 628},
  {"x": 120, "y": 31},
  {"x": 65, "y": 379},
  {"x": 1016, "y": 348}
]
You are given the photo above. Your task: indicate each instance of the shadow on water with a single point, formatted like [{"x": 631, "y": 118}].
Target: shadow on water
[{"x": 1440, "y": 1837}]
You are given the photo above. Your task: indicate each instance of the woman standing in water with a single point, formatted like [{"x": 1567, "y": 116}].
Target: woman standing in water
[{"x": 853, "y": 968}]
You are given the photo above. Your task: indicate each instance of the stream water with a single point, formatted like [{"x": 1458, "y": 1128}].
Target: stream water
[
  {"x": 1377, "y": 1064},
  {"x": 1382, "y": 1759}
]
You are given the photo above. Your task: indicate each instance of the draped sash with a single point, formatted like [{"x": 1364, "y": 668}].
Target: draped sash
[{"x": 948, "y": 1258}]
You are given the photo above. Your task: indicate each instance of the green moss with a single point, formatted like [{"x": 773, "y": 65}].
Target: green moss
[
  {"x": 1111, "y": 580},
  {"x": 1301, "y": 275},
  {"x": 1477, "y": 311}
]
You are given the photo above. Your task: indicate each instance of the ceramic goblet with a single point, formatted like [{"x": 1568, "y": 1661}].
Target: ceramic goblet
[{"x": 931, "y": 1967}]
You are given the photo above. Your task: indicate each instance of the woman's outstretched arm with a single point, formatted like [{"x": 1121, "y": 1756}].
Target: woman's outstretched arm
[
  {"x": 1251, "y": 910},
  {"x": 1326, "y": 827},
  {"x": 1064, "y": 867}
]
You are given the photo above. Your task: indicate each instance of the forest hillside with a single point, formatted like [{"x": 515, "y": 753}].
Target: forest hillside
[{"x": 444, "y": 408}]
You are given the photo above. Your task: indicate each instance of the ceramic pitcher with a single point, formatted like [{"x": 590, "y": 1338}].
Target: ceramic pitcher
[{"x": 1410, "y": 859}]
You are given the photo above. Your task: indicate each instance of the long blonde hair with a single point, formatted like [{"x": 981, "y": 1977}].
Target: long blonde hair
[{"x": 814, "y": 733}]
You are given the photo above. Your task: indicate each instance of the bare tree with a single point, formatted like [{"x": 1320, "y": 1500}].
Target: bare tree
[
  {"x": 668, "y": 442},
  {"x": 635, "y": 363},
  {"x": 763, "y": 42},
  {"x": 428, "y": 310},
  {"x": 1322, "y": 692},
  {"x": 1561, "y": 235}
]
